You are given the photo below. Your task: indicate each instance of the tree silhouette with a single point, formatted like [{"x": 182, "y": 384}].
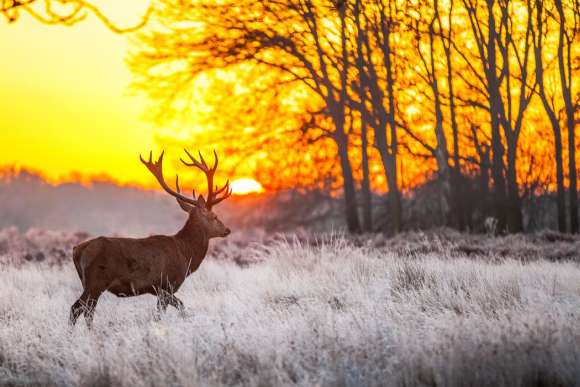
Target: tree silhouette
[{"x": 379, "y": 94}]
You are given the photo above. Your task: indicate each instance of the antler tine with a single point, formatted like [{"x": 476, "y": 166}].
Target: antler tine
[
  {"x": 222, "y": 189},
  {"x": 212, "y": 193},
  {"x": 177, "y": 184},
  {"x": 215, "y": 164},
  {"x": 193, "y": 161},
  {"x": 199, "y": 164},
  {"x": 215, "y": 199},
  {"x": 202, "y": 160},
  {"x": 179, "y": 189},
  {"x": 156, "y": 169},
  {"x": 226, "y": 195}
]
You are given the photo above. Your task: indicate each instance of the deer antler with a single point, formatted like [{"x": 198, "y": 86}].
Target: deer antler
[
  {"x": 213, "y": 197},
  {"x": 156, "y": 168}
]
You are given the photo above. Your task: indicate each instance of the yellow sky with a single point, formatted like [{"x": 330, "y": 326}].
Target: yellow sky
[{"x": 64, "y": 98}]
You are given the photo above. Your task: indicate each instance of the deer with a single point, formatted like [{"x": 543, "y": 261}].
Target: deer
[{"x": 158, "y": 264}]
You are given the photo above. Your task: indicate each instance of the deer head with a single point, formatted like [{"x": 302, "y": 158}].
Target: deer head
[{"x": 198, "y": 208}]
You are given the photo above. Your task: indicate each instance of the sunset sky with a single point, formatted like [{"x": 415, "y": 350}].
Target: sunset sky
[
  {"x": 68, "y": 110},
  {"x": 65, "y": 98}
]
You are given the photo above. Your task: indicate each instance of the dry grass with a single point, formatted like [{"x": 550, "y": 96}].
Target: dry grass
[{"x": 326, "y": 313}]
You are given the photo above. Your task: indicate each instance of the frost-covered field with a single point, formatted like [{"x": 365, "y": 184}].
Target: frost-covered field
[{"x": 437, "y": 309}]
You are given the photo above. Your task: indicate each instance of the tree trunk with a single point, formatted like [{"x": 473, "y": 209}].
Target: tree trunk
[
  {"x": 390, "y": 168},
  {"x": 573, "y": 191},
  {"x": 495, "y": 104},
  {"x": 441, "y": 152},
  {"x": 484, "y": 168},
  {"x": 394, "y": 195},
  {"x": 350, "y": 206},
  {"x": 497, "y": 168},
  {"x": 366, "y": 184},
  {"x": 561, "y": 193},
  {"x": 514, "y": 214},
  {"x": 391, "y": 161},
  {"x": 456, "y": 180}
]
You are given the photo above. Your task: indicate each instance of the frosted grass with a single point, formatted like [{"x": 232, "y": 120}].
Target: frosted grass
[{"x": 324, "y": 313}]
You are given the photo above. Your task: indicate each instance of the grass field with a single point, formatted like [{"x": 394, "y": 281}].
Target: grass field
[{"x": 419, "y": 310}]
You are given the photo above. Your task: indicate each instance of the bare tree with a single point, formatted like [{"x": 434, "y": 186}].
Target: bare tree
[
  {"x": 497, "y": 49},
  {"x": 361, "y": 92},
  {"x": 294, "y": 42},
  {"x": 488, "y": 85},
  {"x": 375, "y": 22},
  {"x": 512, "y": 121},
  {"x": 431, "y": 28},
  {"x": 446, "y": 38},
  {"x": 539, "y": 33}
]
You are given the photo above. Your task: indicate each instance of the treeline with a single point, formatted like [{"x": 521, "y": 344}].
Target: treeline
[{"x": 480, "y": 96}]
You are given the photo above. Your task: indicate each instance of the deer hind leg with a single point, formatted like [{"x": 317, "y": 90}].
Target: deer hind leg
[
  {"x": 84, "y": 305},
  {"x": 177, "y": 304},
  {"x": 164, "y": 299},
  {"x": 78, "y": 308}
]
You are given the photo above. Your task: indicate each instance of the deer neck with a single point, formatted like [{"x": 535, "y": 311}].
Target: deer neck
[{"x": 193, "y": 241}]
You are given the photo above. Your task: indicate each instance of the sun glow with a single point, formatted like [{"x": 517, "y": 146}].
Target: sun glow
[{"x": 246, "y": 186}]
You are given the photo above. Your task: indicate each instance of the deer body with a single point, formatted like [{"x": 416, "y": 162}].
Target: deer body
[
  {"x": 155, "y": 265},
  {"x": 130, "y": 267}
]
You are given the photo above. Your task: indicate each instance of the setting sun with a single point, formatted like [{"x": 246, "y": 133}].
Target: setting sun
[{"x": 246, "y": 186}]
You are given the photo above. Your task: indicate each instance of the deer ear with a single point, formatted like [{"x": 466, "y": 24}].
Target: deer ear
[
  {"x": 185, "y": 206},
  {"x": 201, "y": 201}
]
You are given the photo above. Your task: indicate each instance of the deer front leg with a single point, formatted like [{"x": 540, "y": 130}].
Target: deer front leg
[
  {"x": 90, "y": 310},
  {"x": 162, "y": 302}
]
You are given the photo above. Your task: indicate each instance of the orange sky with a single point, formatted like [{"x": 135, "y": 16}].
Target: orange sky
[{"x": 65, "y": 103}]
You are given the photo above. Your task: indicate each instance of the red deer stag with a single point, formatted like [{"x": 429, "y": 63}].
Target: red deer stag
[{"x": 155, "y": 265}]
